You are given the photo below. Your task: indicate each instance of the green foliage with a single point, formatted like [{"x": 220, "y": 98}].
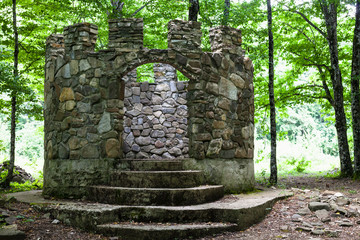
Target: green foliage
[
  {"x": 299, "y": 165},
  {"x": 27, "y": 186},
  {"x": 20, "y": 187},
  {"x": 334, "y": 173},
  {"x": 145, "y": 73}
]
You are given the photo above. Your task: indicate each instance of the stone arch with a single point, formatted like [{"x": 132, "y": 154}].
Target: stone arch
[
  {"x": 156, "y": 115},
  {"x": 83, "y": 101}
]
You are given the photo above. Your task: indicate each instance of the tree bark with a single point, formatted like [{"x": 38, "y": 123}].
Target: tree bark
[
  {"x": 225, "y": 19},
  {"x": 330, "y": 16},
  {"x": 9, "y": 176},
  {"x": 193, "y": 10},
  {"x": 355, "y": 92},
  {"x": 273, "y": 165}
]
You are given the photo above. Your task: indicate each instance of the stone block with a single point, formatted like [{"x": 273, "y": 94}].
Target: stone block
[
  {"x": 112, "y": 148},
  {"x": 66, "y": 94}
]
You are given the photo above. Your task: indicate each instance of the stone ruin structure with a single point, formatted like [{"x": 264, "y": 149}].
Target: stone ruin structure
[
  {"x": 85, "y": 103},
  {"x": 155, "y": 121}
]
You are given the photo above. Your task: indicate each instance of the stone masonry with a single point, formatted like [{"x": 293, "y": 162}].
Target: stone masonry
[
  {"x": 85, "y": 98},
  {"x": 155, "y": 121}
]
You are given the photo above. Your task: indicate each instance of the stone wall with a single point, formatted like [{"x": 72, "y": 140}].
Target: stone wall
[
  {"x": 155, "y": 122},
  {"x": 85, "y": 92}
]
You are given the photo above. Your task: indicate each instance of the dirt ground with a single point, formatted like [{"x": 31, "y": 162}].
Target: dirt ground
[{"x": 276, "y": 225}]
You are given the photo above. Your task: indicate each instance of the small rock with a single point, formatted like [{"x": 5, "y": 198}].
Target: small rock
[
  {"x": 285, "y": 228},
  {"x": 338, "y": 194},
  {"x": 304, "y": 211},
  {"x": 327, "y": 193},
  {"x": 317, "y": 224},
  {"x": 11, "y": 220},
  {"x": 5, "y": 214},
  {"x": 296, "y": 218},
  {"x": 341, "y": 201},
  {"x": 11, "y": 232},
  {"x": 346, "y": 224},
  {"x": 302, "y": 228},
  {"x": 308, "y": 225},
  {"x": 341, "y": 210},
  {"x": 314, "y": 206},
  {"x": 332, "y": 233},
  {"x": 318, "y": 232},
  {"x": 323, "y": 215},
  {"x": 352, "y": 212},
  {"x": 55, "y": 221}
]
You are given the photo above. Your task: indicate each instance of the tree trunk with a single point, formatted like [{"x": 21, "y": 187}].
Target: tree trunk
[
  {"x": 225, "y": 19},
  {"x": 355, "y": 92},
  {"x": 193, "y": 10},
  {"x": 13, "y": 104},
  {"x": 273, "y": 167},
  {"x": 330, "y": 16}
]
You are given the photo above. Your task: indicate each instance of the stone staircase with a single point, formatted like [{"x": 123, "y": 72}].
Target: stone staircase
[{"x": 140, "y": 185}]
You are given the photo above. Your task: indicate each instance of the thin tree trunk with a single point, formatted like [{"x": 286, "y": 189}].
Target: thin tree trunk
[
  {"x": 225, "y": 19},
  {"x": 13, "y": 104},
  {"x": 330, "y": 17},
  {"x": 273, "y": 166},
  {"x": 193, "y": 10},
  {"x": 355, "y": 92}
]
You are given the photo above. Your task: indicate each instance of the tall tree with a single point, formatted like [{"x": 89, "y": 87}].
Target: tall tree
[
  {"x": 6, "y": 183},
  {"x": 308, "y": 46},
  {"x": 329, "y": 10},
  {"x": 193, "y": 10},
  {"x": 355, "y": 92},
  {"x": 273, "y": 166}
]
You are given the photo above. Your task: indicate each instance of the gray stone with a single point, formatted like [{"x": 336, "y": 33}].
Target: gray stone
[
  {"x": 342, "y": 201},
  {"x": 228, "y": 89},
  {"x": 66, "y": 73},
  {"x": 11, "y": 233},
  {"x": 84, "y": 65},
  {"x": 105, "y": 123},
  {"x": 296, "y": 218},
  {"x": 318, "y": 232},
  {"x": 341, "y": 210},
  {"x": 162, "y": 87},
  {"x": 143, "y": 140},
  {"x": 135, "y": 148},
  {"x": 156, "y": 100},
  {"x": 83, "y": 107},
  {"x": 157, "y": 134},
  {"x": 303, "y": 228},
  {"x": 314, "y": 206},
  {"x": 214, "y": 147},
  {"x": 90, "y": 151},
  {"x": 64, "y": 151},
  {"x": 175, "y": 151},
  {"x": 304, "y": 211},
  {"x": 323, "y": 215},
  {"x": 158, "y": 151}
]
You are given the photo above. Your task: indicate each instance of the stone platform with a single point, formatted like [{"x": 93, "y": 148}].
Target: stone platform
[{"x": 230, "y": 213}]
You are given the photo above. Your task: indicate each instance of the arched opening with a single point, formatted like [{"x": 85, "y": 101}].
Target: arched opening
[{"x": 155, "y": 113}]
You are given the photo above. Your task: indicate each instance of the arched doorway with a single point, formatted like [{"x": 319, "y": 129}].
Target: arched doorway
[{"x": 155, "y": 113}]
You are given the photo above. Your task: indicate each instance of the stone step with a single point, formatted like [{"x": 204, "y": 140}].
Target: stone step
[
  {"x": 157, "y": 179},
  {"x": 241, "y": 209},
  {"x": 155, "y": 196},
  {"x": 163, "y": 231},
  {"x": 150, "y": 165}
]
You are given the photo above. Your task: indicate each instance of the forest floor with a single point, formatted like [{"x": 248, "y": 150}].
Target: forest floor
[{"x": 280, "y": 223}]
